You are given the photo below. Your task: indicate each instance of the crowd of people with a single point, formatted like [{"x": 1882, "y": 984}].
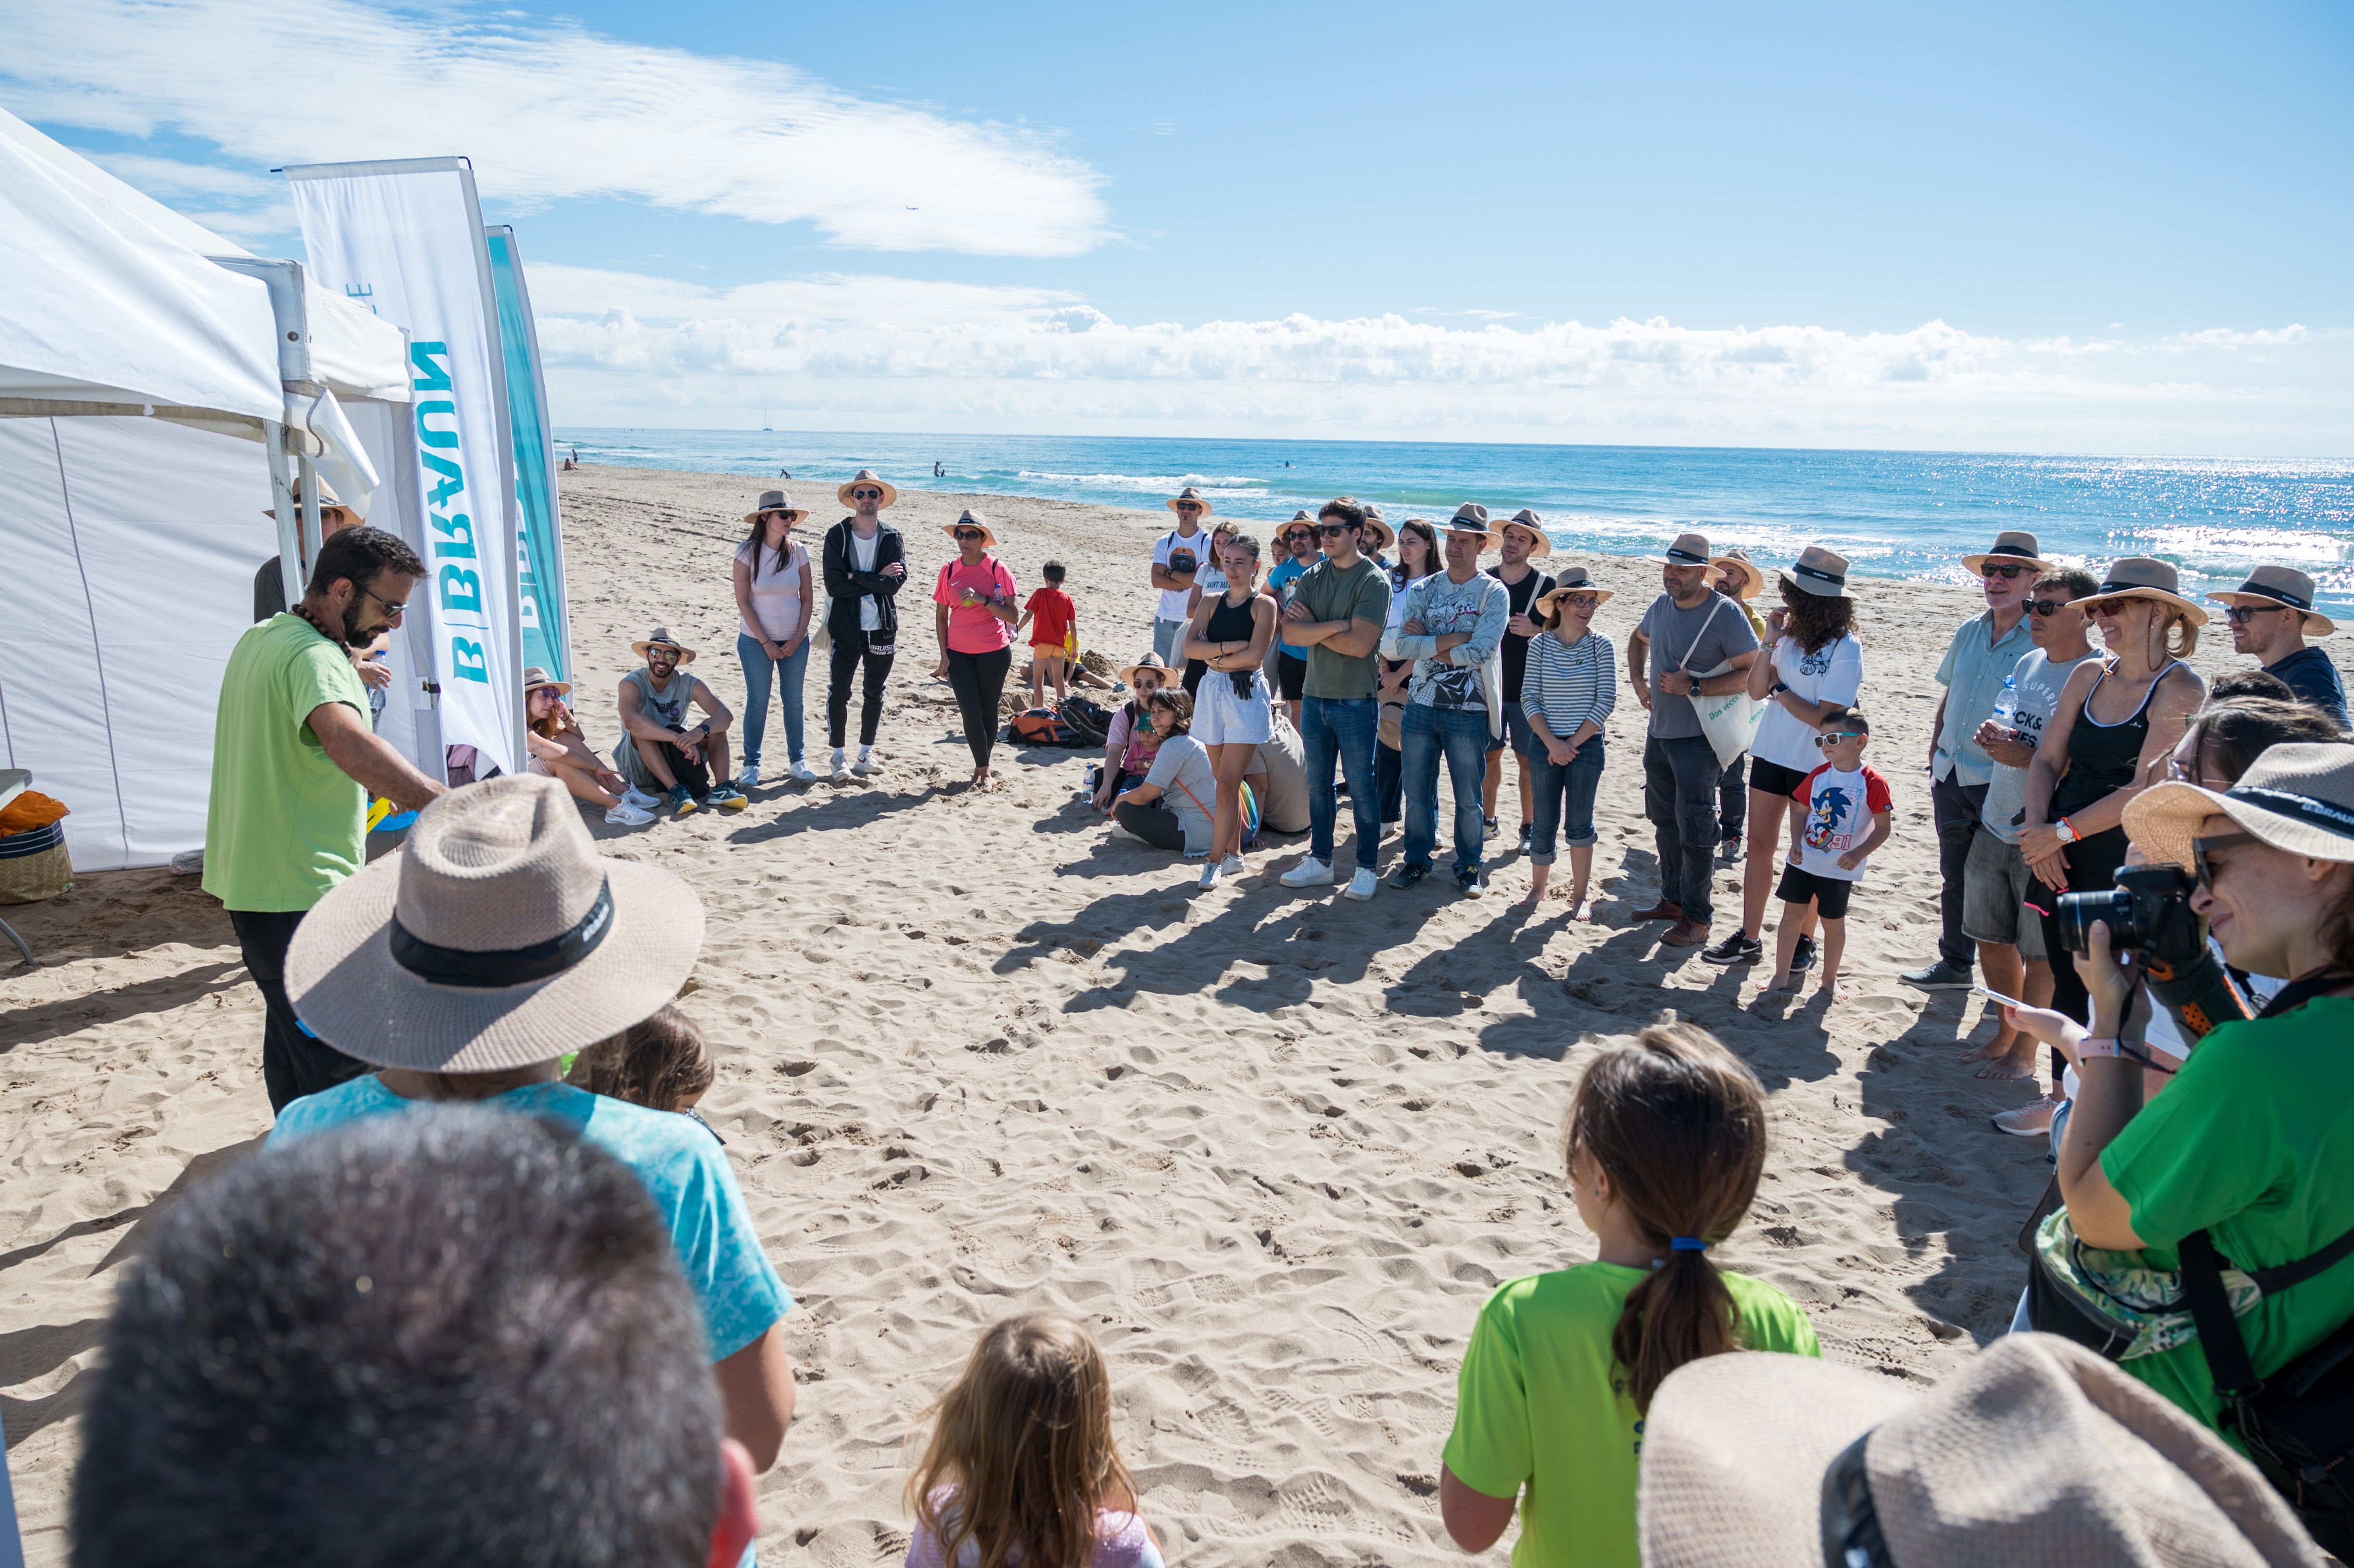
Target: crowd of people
[{"x": 491, "y": 1288}]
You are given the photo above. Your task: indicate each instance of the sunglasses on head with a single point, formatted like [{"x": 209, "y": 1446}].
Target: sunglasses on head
[
  {"x": 2241, "y": 614},
  {"x": 2006, "y": 573},
  {"x": 2203, "y": 869},
  {"x": 2048, "y": 606}
]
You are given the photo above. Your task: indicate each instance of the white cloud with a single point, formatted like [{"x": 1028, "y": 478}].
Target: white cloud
[{"x": 545, "y": 110}]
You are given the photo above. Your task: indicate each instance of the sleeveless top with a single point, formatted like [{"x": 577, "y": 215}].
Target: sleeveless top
[
  {"x": 1231, "y": 622},
  {"x": 666, "y": 708},
  {"x": 2103, "y": 758},
  {"x": 776, "y": 589}
]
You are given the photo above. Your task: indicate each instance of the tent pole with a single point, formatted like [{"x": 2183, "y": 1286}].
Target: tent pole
[
  {"x": 290, "y": 535},
  {"x": 311, "y": 525}
]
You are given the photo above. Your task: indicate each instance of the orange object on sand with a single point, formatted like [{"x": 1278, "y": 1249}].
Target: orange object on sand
[{"x": 29, "y": 811}]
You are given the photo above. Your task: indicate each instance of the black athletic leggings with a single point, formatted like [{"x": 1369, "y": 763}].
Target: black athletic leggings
[
  {"x": 1155, "y": 823},
  {"x": 849, "y": 653},
  {"x": 978, "y": 680}
]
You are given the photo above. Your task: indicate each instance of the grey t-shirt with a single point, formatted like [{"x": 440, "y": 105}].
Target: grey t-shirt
[
  {"x": 1283, "y": 803},
  {"x": 2031, "y": 694},
  {"x": 1188, "y": 785},
  {"x": 1673, "y": 633}
]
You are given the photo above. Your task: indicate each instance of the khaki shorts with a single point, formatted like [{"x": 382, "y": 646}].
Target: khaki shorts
[{"x": 1994, "y": 887}]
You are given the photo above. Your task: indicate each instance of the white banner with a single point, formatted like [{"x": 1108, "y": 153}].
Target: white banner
[{"x": 406, "y": 239}]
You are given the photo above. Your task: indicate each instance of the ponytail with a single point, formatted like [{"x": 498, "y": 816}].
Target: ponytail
[{"x": 1679, "y": 1314}]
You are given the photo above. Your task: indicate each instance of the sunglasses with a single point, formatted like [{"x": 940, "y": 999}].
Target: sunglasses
[
  {"x": 1300, "y": 536},
  {"x": 1828, "y": 741},
  {"x": 964, "y": 534},
  {"x": 1189, "y": 506},
  {"x": 2108, "y": 609},
  {"x": 865, "y": 496},
  {"x": 2241, "y": 614},
  {"x": 391, "y": 611},
  {"x": 2006, "y": 573},
  {"x": 659, "y": 651},
  {"x": 2204, "y": 871},
  {"x": 1333, "y": 530},
  {"x": 2048, "y": 606}
]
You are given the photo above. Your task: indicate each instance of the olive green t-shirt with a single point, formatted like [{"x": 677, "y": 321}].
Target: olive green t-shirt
[
  {"x": 1541, "y": 1401},
  {"x": 2251, "y": 1143},
  {"x": 1359, "y": 593},
  {"x": 284, "y": 824}
]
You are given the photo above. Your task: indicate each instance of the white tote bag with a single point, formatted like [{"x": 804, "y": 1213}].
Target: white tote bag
[{"x": 1730, "y": 721}]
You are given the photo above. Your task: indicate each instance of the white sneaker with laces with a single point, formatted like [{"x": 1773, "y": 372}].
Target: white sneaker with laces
[
  {"x": 634, "y": 796},
  {"x": 1362, "y": 885},
  {"x": 802, "y": 773},
  {"x": 626, "y": 815},
  {"x": 867, "y": 765},
  {"x": 1210, "y": 876},
  {"x": 1231, "y": 865},
  {"x": 749, "y": 778},
  {"x": 840, "y": 769},
  {"x": 1309, "y": 872}
]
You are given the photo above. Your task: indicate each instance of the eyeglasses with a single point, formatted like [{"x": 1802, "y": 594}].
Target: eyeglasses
[
  {"x": 964, "y": 534},
  {"x": 1333, "y": 530},
  {"x": 2048, "y": 606},
  {"x": 2241, "y": 614},
  {"x": 2200, "y": 849},
  {"x": 391, "y": 611},
  {"x": 1828, "y": 741},
  {"x": 2006, "y": 573}
]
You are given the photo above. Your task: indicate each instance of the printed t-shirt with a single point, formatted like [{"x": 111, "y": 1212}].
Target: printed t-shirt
[
  {"x": 682, "y": 1168},
  {"x": 1688, "y": 640},
  {"x": 1052, "y": 616},
  {"x": 2309, "y": 673},
  {"x": 776, "y": 589},
  {"x": 1283, "y": 756},
  {"x": 1188, "y": 785},
  {"x": 972, "y": 629},
  {"x": 1832, "y": 673},
  {"x": 2249, "y": 1144},
  {"x": 1541, "y": 1400},
  {"x": 1972, "y": 672},
  {"x": 1514, "y": 648},
  {"x": 1475, "y": 607},
  {"x": 284, "y": 825},
  {"x": 1838, "y": 810},
  {"x": 1180, "y": 553},
  {"x": 1359, "y": 592},
  {"x": 2030, "y": 698}
]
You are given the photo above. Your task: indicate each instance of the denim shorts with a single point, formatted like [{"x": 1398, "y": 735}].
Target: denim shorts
[{"x": 1520, "y": 734}]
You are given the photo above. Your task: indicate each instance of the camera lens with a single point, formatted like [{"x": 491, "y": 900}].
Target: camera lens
[{"x": 2077, "y": 911}]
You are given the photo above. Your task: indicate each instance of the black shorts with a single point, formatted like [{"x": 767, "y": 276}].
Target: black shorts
[
  {"x": 1290, "y": 677},
  {"x": 1829, "y": 895},
  {"x": 1773, "y": 779}
]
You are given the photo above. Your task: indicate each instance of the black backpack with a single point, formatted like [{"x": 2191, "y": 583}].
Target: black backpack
[{"x": 1087, "y": 720}]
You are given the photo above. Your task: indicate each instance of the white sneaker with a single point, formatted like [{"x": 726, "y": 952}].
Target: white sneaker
[
  {"x": 1210, "y": 876},
  {"x": 634, "y": 796},
  {"x": 840, "y": 769},
  {"x": 1309, "y": 872},
  {"x": 1231, "y": 865},
  {"x": 1362, "y": 885},
  {"x": 626, "y": 815},
  {"x": 1120, "y": 833},
  {"x": 866, "y": 765},
  {"x": 749, "y": 777},
  {"x": 802, "y": 773}
]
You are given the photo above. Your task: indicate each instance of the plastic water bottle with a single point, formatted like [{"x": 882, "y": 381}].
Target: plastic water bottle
[{"x": 2006, "y": 706}]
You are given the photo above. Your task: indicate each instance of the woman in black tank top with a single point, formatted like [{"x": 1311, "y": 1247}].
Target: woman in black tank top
[{"x": 1233, "y": 712}]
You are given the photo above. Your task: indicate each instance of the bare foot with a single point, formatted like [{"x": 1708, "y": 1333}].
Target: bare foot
[
  {"x": 1993, "y": 1050},
  {"x": 2010, "y": 1065},
  {"x": 1789, "y": 983},
  {"x": 1833, "y": 989},
  {"x": 1581, "y": 912},
  {"x": 981, "y": 781},
  {"x": 1535, "y": 895}
]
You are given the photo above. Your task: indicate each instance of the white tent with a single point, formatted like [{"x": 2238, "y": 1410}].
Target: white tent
[{"x": 135, "y": 349}]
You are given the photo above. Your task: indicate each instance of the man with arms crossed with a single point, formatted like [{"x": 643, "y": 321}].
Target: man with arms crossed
[
  {"x": 2272, "y": 614},
  {"x": 1176, "y": 556},
  {"x": 294, "y": 764},
  {"x": 1338, "y": 610}
]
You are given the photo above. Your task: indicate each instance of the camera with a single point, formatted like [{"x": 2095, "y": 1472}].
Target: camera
[{"x": 2148, "y": 913}]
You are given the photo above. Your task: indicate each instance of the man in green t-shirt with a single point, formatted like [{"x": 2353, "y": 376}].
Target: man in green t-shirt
[
  {"x": 1338, "y": 609},
  {"x": 294, "y": 763}
]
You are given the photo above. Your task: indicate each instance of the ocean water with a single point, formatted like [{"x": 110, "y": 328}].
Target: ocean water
[{"x": 1893, "y": 515}]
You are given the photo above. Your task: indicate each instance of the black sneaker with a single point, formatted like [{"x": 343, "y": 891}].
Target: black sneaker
[
  {"x": 1528, "y": 836},
  {"x": 1734, "y": 949},
  {"x": 1409, "y": 875},
  {"x": 1802, "y": 958},
  {"x": 1939, "y": 976},
  {"x": 1471, "y": 881}
]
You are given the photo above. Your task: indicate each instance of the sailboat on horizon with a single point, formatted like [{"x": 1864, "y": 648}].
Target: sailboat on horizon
[{"x": 765, "y": 429}]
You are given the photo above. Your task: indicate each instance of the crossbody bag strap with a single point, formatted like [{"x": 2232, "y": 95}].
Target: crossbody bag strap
[
  {"x": 1684, "y": 664},
  {"x": 2219, "y": 1331}
]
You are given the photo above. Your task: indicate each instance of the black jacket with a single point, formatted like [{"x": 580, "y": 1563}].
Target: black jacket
[{"x": 847, "y": 585}]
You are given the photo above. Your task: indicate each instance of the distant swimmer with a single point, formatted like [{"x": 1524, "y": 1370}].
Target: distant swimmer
[
  {"x": 784, "y": 473},
  {"x": 937, "y": 471}
]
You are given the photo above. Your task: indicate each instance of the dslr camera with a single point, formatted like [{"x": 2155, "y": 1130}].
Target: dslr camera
[{"x": 2148, "y": 913}]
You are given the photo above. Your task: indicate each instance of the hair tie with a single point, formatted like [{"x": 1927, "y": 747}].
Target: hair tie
[{"x": 1686, "y": 1243}]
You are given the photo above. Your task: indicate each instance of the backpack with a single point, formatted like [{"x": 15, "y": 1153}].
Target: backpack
[
  {"x": 1087, "y": 721},
  {"x": 1041, "y": 727}
]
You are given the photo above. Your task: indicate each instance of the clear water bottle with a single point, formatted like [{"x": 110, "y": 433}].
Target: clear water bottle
[{"x": 2006, "y": 706}]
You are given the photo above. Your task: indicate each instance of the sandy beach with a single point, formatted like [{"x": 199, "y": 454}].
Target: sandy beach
[{"x": 976, "y": 1056}]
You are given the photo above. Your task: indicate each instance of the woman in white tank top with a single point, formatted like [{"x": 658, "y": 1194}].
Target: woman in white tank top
[{"x": 773, "y": 598}]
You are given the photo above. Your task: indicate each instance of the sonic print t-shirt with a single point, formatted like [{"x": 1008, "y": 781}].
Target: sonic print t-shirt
[{"x": 1839, "y": 808}]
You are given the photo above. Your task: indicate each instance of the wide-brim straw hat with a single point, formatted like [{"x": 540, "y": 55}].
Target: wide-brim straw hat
[
  {"x": 2011, "y": 547},
  {"x": 1574, "y": 579},
  {"x": 1737, "y": 562},
  {"x": 1376, "y": 535},
  {"x": 776, "y": 500},
  {"x": 1818, "y": 571},
  {"x": 1689, "y": 550},
  {"x": 1150, "y": 661},
  {"x": 2298, "y": 798},
  {"x": 1472, "y": 518},
  {"x": 867, "y": 476},
  {"x": 2142, "y": 577},
  {"x": 1193, "y": 494},
  {"x": 534, "y": 677},
  {"x": 327, "y": 498},
  {"x": 1534, "y": 526},
  {"x": 2034, "y": 1454},
  {"x": 495, "y": 938},
  {"x": 2274, "y": 587},
  {"x": 970, "y": 519},
  {"x": 661, "y": 635}
]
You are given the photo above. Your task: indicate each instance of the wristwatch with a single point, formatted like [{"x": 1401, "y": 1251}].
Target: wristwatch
[{"x": 2066, "y": 830}]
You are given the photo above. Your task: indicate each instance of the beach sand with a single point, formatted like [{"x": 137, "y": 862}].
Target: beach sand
[{"x": 976, "y": 1056}]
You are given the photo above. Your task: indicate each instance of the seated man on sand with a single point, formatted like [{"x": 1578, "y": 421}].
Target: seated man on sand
[
  {"x": 560, "y": 751},
  {"x": 1279, "y": 779},
  {"x": 659, "y": 756}
]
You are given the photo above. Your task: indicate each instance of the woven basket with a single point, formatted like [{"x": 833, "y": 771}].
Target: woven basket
[{"x": 35, "y": 865}]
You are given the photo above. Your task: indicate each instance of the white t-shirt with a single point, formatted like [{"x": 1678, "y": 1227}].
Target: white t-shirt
[
  {"x": 861, "y": 556},
  {"x": 2029, "y": 697},
  {"x": 1832, "y": 673},
  {"x": 1838, "y": 811},
  {"x": 776, "y": 589},
  {"x": 1176, "y": 604}
]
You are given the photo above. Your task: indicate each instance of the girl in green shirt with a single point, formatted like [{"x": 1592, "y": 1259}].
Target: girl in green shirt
[{"x": 1665, "y": 1141}]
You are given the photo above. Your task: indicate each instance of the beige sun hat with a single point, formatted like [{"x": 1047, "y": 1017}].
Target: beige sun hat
[
  {"x": 1533, "y": 526},
  {"x": 497, "y": 938},
  {"x": 1572, "y": 579},
  {"x": 2142, "y": 577},
  {"x": 328, "y": 499},
  {"x": 1689, "y": 550},
  {"x": 2010, "y": 546},
  {"x": 867, "y": 476},
  {"x": 660, "y": 636},
  {"x": 1150, "y": 661},
  {"x": 971, "y": 519},
  {"x": 1194, "y": 493},
  {"x": 778, "y": 500},
  {"x": 1376, "y": 535},
  {"x": 2035, "y": 1453},
  {"x": 1736, "y": 561},
  {"x": 2298, "y": 798},
  {"x": 2272, "y": 587},
  {"x": 1818, "y": 571},
  {"x": 1472, "y": 518},
  {"x": 534, "y": 677}
]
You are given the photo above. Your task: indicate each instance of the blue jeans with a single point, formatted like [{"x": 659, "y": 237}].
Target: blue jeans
[
  {"x": 1564, "y": 796},
  {"x": 1462, "y": 735},
  {"x": 1340, "y": 729},
  {"x": 759, "y": 673},
  {"x": 1679, "y": 797}
]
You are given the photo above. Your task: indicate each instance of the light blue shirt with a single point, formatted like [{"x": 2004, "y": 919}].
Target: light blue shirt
[
  {"x": 679, "y": 1160},
  {"x": 1973, "y": 672}
]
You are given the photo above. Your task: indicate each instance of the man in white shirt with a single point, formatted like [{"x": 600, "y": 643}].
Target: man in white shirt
[{"x": 1176, "y": 556}]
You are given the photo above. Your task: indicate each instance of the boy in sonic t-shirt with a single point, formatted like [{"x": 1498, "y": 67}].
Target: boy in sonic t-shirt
[{"x": 1848, "y": 813}]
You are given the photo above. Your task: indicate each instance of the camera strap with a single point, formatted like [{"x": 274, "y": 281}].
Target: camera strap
[{"x": 2298, "y": 992}]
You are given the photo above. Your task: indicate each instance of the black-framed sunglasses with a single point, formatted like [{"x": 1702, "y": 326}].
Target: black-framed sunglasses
[
  {"x": 964, "y": 534},
  {"x": 2006, "y": 572},
  {"x": 1298, "y": 536},
  {"x": 2203, "y": 869},
  {"x": 1334, "y": 530},
  {"x": 2048, "y": 606},
  {"x": 1189, "y": 506},
  {"x": 2241, "y": 614},
  {"x": 391, "y": 611},
  {"x": 661, "y": 651},
  {"x": 863, "y": 495}
]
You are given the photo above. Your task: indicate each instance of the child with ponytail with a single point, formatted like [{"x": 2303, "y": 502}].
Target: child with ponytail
[{"x": 1665, "y": 1141}]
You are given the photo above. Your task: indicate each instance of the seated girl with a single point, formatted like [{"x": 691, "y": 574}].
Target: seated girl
[
  {"x": 1172, "y": 807},
  {"x": 560, "y": 751},
  {"x": 1130, "y": 741}
]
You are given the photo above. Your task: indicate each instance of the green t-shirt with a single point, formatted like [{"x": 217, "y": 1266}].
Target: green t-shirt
[
  {"x": 1541, "y": 1401},
  {"x": 285, "y": 824},
  {"x": 1359, "y": 593},
  {"x": 2253, "y": 1143}
]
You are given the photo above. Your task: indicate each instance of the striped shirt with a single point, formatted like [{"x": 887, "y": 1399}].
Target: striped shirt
[{"x": 1569, "y": 685}]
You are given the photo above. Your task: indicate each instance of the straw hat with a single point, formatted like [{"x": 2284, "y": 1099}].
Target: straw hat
[
  {"x": 1689, "y": 550},
  {"x": 1818, "y": 571},
  {"x": 1150, "y": 661},
  {"x": 1376, "y": 535},
  {"x": 534, "y": 677},
  {"x": 1573, "y": 579},
  {"x": 1192, "y": 493},
  {"x": 1472, "y": 518},
  {"x": 1736, "y": 561},
  {"x": 2271, "y": 587},
  {"x": 327, "y": 498},
  {"x": 2298, "y": 798},
  {"x": 497, "y": 938},
  {"x": 2034, "y": 1454},
  {"x": 867, "y": 476},
  {"x": 776, "y": 500},
  {"x": 971, "y": 519},
  {"x": 2010, "y": 545},
  {"x": 2140, "y": 577},
  {"x": 660, "y": 637},
  {"x": 1533, "y": 526}
]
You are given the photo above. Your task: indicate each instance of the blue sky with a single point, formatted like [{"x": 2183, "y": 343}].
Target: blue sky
[{"x": 2096, "y": 227}]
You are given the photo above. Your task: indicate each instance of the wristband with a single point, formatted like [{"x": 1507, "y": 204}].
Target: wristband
[{"x": 2093, "y": 1045}]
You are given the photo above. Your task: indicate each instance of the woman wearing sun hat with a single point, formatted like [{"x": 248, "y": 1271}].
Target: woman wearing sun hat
[
  {"x": 1568, "y": 694},
  {"x": 775, "y": 595},
  {"x": 974, "y": 606},
  {"x": 560, "y": 751},
  {"x": 2118, "y": 719}
]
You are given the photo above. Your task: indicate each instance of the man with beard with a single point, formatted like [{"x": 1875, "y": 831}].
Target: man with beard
[{"x": 294, "y": 763}]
